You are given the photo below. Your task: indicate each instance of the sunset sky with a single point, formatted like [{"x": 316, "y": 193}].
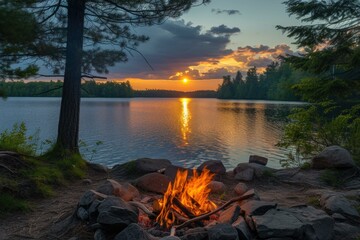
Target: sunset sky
[{"x": 206, "y": 43}]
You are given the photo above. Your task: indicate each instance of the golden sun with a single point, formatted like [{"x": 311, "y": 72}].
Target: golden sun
[{"x": 185, "y": 80}]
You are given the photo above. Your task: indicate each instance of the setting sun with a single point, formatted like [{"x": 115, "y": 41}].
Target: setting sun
[{"x": 185, "y": 80}]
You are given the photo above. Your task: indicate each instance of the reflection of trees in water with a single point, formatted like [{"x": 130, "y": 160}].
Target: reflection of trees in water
[{"x": 274, "y": 113}]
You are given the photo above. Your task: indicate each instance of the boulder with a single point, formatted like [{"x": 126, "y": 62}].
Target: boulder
[
  {"x": 258, "y": 168},
  {"x": 148, "y": 165},
  {"x": 113, "y": 201},
  {"x": 82, "y": 214},
  {"x": 132, "y": 232},
  {"x": 240, "y": 188},
  {"x": 98, "y": 167},
  {"x": 316, "y": 223},
  {"x": 346, "y": 231},
  {"x": 117, "y": 218},
  {"x": 153, "y": 182},
  {"x": 242, "y": 228},
  {"x": 89, "y": 197},
  {"x": 223, "y": 232},
  {"x": 126, "y": 191},
  {"x": 277, "y": 224},
  {"x": 337, "y": 203},
  {"x": 230, "y": 215},
  {"x": 217, "y": 187},
  {"x": 195, "y": 233},
  {"x": 93, "y": 210},
  {"x": 214, "y": 166},
  {"x": 333, "y": 157},
  {"x": 258, "y": 159},
  {"x": 170, "y": 238},
  {"x": 254, "y": 207},
  {"x": 99, "y": 235},
  {"x": 245, "y": 175}
]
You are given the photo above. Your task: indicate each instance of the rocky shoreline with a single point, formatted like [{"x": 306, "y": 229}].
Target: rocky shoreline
[{"x": 284, "y": 204}]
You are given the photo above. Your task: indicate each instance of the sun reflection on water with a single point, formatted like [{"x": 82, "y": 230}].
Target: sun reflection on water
[{"x": 185, "y": 119}]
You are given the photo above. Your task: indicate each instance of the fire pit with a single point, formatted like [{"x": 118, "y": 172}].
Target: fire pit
[{"x": 186, "y": 198}]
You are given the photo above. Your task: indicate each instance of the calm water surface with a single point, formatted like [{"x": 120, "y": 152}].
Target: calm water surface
[{"x": 185, "y": 131}]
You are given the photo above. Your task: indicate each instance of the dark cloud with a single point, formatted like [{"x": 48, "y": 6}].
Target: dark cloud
[
  {"x": 222, "y": 29},
  {"x": 173, "y": 47},
  {"x": 258, "y": 49},
  {"x": 216, "y": 73},
  {"x": 260, "y": 62},
  {"x": 229, "y": 12}
]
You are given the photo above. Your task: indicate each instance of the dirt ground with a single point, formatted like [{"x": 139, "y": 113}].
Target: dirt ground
[
  {"x": 45, "y": 212},
  {"x": 37, "y": 223}
]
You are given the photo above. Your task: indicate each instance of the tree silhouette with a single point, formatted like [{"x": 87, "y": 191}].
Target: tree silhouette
[{"x": 80, "y": 36}]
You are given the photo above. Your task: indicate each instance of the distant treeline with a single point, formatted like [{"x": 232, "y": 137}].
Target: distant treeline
[
  {"x": 175, "y": 94},
  {"x": 274, "y": 84},
  {"x": 54, "y": 89},
  {"x": 93, "y": 89}
]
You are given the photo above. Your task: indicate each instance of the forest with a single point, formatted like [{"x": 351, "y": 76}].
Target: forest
[{"x": 275, "y": 83}]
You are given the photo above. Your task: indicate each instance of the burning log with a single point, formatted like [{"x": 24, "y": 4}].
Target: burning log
[
  {"x": 183, "y": 208},
  {"x": 188, "y": 197},
  {"x": 201, "y": 217}
]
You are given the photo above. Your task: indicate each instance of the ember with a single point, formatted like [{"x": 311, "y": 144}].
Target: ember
[{"x": 186, "y": 198}]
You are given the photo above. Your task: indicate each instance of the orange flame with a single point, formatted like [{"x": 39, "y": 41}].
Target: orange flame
[{"x": 192, "y": 193}]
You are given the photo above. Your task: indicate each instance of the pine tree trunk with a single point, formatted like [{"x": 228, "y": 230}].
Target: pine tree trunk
[{"x": 68, "y": 128}]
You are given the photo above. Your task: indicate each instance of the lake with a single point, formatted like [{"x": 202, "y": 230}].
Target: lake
[{"x": 185, "y": 131}]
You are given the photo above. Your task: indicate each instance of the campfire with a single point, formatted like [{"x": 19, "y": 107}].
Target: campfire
[{"x": 186, "y": 198}]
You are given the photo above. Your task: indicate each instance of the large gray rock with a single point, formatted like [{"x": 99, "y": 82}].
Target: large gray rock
[
  {"x": 148, "y": 165},
  {"x": 277, "y": 224},
  {"x": 214, "y": 166},
  {"x": 316, "y": 223},
  {"x": 113, "y": 201},
  {"x": 346, "y": 231},
  {"x": 336, "y": 203},
  {"x": 259, "y": 169},
  {"x": 198, "y": 233},
  {"x": 245, "y": 175},
  {"x": 254, "y": 207},
  {"x": 153, "y": 182},
  {"x": 223, "y": 232},
  {"x": 333, "y": 157},
  {"x": 117, "y": 218},
  {"x": 133, "y": 232},
  {"x": 258, "y": 159},
  {"x": 242, "y": 228}
]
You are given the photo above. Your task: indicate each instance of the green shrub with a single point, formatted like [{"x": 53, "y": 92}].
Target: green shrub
[
  {"x": 316, "y": 126},
  {"x": 17, "y": 140}
]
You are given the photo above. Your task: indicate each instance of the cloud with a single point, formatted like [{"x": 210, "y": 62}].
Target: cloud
[
  {"x": 172, "y": 48},
  {"x": 177, "y": 49},
  {"x": 222, "y": 29},
  {"x": 229, "y": 12}
]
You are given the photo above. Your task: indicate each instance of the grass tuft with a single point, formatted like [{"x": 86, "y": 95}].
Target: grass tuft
[{"x": 10, "y": 204}]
